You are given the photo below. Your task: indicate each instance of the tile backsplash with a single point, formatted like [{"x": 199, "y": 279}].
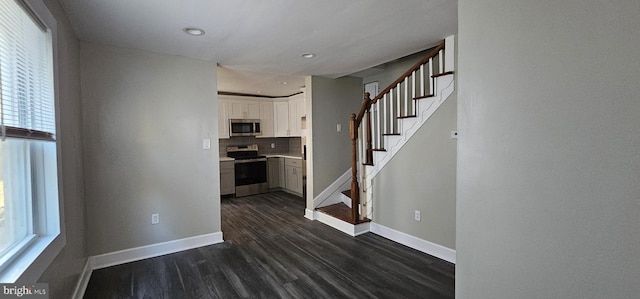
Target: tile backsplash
[{"x": 286, "y": 145}]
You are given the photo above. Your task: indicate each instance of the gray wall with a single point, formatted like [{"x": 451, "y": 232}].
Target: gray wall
[
  {"x": 422, "y": 176},
  {"x": 63, "y": 273},
  {"x": 548, "y": 155},
  {"x": 145, "y": 116},
  {"x": 333, "y": 101}
]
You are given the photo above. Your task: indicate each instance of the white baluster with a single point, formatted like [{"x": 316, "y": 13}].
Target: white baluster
[
  {"x": 399, "y": 105},
  {"x": 406, "y": 96},
  {"x": 362, "y": 140},
  {"x": 392, "y": 107},
  {"x": 385, "y": 112},
  {"x": 374, "y": 126},
  {"x": 422, "y": 79},
  {"x": 440, "y": 64},
  {"x": 378, "y": 125},
  {"x": 413, "y": 85}
]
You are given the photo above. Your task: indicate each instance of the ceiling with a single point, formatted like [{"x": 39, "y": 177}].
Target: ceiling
[{"x": 262, "y": 41}]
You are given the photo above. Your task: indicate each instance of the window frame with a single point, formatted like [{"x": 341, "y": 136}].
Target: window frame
[{"x": 30, "y": 261}]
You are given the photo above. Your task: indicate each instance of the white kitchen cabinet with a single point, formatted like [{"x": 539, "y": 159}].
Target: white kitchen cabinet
[
  {"x": 240, "y": 109},
  {"x": 266, "y": 119},
  {"x": 294, "y": 118},
  {"x": 281, "y": 118},
  {"x": 293, "y": 175},
  {"x": 227, "y": 177},
  {"x": 223, "y": 118},
  {"x": 297, "y": 110}
]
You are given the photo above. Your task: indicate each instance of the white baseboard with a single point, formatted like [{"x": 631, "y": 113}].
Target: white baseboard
[
  {"x": 139, "y": 253},
  {"x": 81, "y": 287},
  {"x": 309, "y": 214},
  {"x": 416, "y": 243},
  {"x": 345, "y": 227},
  {"x": 153, "y": 250}
]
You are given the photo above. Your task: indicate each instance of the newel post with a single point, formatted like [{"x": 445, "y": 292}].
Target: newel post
[
  {"x": 369, "y": 145},
  {"x": 355, "y": 190}
]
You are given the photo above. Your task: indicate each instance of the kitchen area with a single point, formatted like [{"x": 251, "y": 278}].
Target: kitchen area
[{"x": 262, "y": 145}]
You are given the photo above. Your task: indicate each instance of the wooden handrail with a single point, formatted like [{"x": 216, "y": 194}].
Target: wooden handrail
[{"x": 367, "y": 104}]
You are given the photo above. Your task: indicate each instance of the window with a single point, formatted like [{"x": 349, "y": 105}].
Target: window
[{"x": 28, "y": 161}]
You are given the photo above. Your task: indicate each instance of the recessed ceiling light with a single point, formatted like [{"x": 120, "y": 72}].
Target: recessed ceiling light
[
  {"x": 308, "y": 55},
  {"x": 283, "y": 82},
  {"x": 193, "y": 31}
]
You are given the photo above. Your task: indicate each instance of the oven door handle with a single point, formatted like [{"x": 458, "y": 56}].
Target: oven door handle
[{"x": 251, "y": 160}]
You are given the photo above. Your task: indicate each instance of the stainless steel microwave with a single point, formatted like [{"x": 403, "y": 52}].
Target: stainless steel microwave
[{"x": 244, "y": 127}]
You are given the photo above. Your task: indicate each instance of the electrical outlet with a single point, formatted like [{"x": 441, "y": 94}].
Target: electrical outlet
[
  {"x": 155, "y": 218},
  {"x": 273, "y": 145},
  {"x": 417, "y": 215},
  {"x": 339, "y": 127}
]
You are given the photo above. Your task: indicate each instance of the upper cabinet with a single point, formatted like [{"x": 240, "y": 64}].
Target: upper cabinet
[
  {"x": 267, "y": 124},
  {"x": 296, "y": 112},
  {"x": 281, "y": 117},
  {"x": 244, "y": 109}
]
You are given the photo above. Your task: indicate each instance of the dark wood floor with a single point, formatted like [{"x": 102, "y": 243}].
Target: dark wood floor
[{"x": 272, "y": 251}]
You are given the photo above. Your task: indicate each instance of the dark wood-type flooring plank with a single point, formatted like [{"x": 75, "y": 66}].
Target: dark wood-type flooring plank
[{"x": 272, "y": 251}]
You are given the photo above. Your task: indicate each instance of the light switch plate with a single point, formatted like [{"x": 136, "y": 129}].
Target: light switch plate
[
  {"x": 206, "y": 143},
  {"x": 155, "y": 218}
]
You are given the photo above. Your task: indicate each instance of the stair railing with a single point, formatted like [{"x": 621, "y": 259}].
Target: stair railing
[{"x": 395, "y": 102}]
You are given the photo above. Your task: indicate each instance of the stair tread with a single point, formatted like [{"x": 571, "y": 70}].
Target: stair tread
[
  {"x": 442, "y": 74},
  {"x": 407, "y": 116},
  {"x": 424, "y": 97},
  {"x": 379, "y": 149},
  {"x": 341, "y": 211},
  {"x": 391, "y": 134}
]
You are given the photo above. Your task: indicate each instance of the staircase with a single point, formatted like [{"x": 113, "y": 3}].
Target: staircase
[{"x": 385, "y": 123}]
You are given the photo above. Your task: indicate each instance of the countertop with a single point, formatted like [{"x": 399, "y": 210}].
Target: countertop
[{"x": 290, "y": 156}]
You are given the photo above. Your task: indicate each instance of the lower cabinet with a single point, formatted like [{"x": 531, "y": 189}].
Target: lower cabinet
[
  {"x": 285, "y": 173},
  {"x": 275, "y": 167},
  {"x": 293, "y": 175},
  {"x": 227, "y": 178}
]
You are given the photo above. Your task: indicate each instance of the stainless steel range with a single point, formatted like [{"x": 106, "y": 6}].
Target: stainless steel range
[{"x": 251, "y": 169}]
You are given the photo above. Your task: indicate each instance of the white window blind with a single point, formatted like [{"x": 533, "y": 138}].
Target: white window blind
[
  {"x": 29, "y": 202},
  {"x": 26, "y": 76}
]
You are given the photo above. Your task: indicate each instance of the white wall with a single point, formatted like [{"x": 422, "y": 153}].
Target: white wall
[
  {"x": 548, "y": 155},
  {"x": 145, "y": 116}
]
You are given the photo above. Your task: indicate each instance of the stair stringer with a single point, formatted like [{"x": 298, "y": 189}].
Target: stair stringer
[
  {"x": 333, "y": 193},
  {"x": 425, "y": 108}
]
